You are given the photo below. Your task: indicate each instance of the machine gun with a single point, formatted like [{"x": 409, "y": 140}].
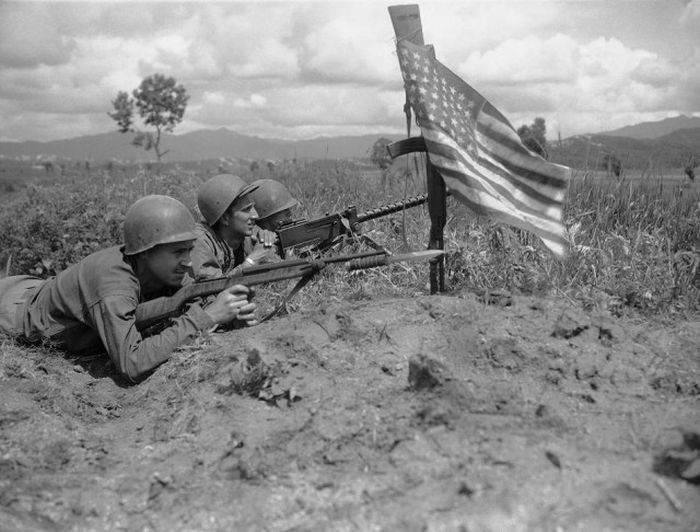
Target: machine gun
[
  {"x": 150, "y": 313},
  {"x": 322, "y": 233}
]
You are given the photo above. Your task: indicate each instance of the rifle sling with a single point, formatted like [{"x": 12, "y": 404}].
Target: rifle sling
[{"x": 301, "y": 283}]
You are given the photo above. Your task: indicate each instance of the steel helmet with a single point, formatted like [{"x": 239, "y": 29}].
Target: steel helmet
[
  {"x": 271, "y": 197},
  {"x": 218, "y": 193},
  {"x": 154, "y": 220}
]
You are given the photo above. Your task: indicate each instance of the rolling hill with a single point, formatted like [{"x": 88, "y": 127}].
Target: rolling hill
[
  {"x": 651, "y": 130},
  {"x": 665, "y": 144},
  {"x": 673, "y": 150},
  {"x": 198, "y": 145}
]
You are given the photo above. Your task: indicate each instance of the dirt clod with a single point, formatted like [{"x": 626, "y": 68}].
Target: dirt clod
[
  {"x": 571, "y": 323},
  {"x": 426, "y": 372}
]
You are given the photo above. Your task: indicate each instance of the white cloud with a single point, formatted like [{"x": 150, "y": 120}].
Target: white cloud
[
  {"x": 297, "y": 68},
  {"x": 558, "y": 74},
  {"x": 29, "y": 37},
  {"x": 246, "y": 42},
  {"x": 215, "y": 98},
  {"x": 26, "y": 124},
  {"x": 458, "y": 29},
  {"x": 605, "y": 80},
  {"x": 691, "y": 13},
  {"x": 530, "y": 59},
  {"x": 254, "y": 101},
  {"x": 688, "y": 83},
  {"x": 316, "y": 108},
  {"x": 267, "y": 59},
  {"x": 655, "y": 71},
  {"x": 343, "y": 50}
]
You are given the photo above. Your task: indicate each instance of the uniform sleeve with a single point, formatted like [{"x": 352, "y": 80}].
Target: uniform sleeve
[
  {"x": 205, "y": 264},
  {"x": 236, "y": 270},
  {"x": 133, "y": 355},
  {"x": 239, "y": 256}
]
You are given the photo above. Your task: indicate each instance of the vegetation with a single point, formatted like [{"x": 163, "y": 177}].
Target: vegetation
[
  {"x": 635, "y": 242},
  {"x": 534, "y": 136},
  {"x": 161, "y": 103},
  {"x": 379, "y": 154}
]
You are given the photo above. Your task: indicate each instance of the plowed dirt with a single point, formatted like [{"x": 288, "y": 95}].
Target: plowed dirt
[{"x": 446, "y": 412}]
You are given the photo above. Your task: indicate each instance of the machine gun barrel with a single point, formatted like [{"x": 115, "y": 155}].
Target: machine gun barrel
[{"x": 391, "y": 208}]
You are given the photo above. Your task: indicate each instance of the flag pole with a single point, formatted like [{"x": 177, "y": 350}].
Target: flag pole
[{"x": 407, "y": 26}]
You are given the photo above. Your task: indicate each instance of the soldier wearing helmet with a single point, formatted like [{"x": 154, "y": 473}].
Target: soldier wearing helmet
[
  {"x": 227, "y": 240},
  {"x": 273, "y": 202},
  {"x": 91, "y": 305}
]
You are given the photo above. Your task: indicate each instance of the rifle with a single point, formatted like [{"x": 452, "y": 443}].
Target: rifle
[
  {"x": 324, "y": 232},
  {"x": 155, "y": 310}
]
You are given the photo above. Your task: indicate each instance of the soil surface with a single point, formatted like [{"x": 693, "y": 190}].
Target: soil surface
[{"x": 451, "y": 412}]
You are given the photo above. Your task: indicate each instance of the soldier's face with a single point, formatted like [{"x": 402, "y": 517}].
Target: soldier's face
[
  {"x": 243, "y": 218},
  {"x": 168, "y": 263}
]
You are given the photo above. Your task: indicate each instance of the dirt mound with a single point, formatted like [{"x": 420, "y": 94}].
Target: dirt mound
[{"x": 479, "y": 413}]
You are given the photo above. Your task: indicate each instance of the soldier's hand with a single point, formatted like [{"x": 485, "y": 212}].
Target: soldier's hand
[
  {"x": 247, "y": 314},
  {"x": 267, "y": 238},
  {"x": 232, "y": 303},
  {"x": 262, "y": 254}
]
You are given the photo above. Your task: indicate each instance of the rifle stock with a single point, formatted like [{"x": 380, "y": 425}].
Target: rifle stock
[{"x": 155, "y": 310}]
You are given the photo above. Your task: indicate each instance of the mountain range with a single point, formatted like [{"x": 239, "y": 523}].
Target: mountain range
[
  {"x": 670, "y": 142},
  {"x": 651, "y": 130},
  {"x": 194, "y": 146}
]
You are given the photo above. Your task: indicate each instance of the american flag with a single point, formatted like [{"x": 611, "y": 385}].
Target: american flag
[{"x": 478, "y": 153}]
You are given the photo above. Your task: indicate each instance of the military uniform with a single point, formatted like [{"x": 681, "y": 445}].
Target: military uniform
[
  {"x": 213, "y": 257},
  {"x": 90, "y": 307}
]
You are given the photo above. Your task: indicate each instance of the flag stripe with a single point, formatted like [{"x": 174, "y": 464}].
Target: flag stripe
[
  {"x": 547, "y": 194},
  {"x": 494, "y": 125},
  {"x": 489, "y": 206},
  {"x": 498, "y": 140},
  {"x": 475, "y": 187},
  {"x": 519, "y": 185},
  {"x": 478, "y": 152},
  {"x": 499, "y": 134},
  {"x": 474, "y": 190},
  {"x": 526, "y": 178},
  {"x": 554, "y": 240},
  {"x": 441, "y": 144}
]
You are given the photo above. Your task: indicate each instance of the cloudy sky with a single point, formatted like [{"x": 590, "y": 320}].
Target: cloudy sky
[{"x": 303, "y": 69}]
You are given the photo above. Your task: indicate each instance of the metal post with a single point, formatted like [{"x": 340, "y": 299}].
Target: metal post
[{"x": 437, "y": 207}]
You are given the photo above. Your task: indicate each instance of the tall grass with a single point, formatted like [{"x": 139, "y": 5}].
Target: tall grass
[{"x": 635, "y": 243}]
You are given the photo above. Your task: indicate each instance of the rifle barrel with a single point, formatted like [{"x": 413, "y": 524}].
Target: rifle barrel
[{"x": 151, "y": 311}]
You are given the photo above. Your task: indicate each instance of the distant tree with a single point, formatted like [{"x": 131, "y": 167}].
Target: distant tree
[
  {"x": 534, "y": 137},
  {"x": 379, "y": 154},
  {"x": 690, "y": 167},
  {"x": 161, "y": 104},
  {"x": 612, "y": 164}
]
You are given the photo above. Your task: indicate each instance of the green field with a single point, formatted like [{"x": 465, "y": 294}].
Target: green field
[{"x": 636, "y": 240}]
